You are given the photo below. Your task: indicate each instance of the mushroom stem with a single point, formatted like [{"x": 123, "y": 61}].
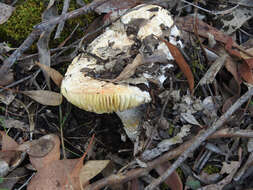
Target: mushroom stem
[{"x": 131, "y": 119}]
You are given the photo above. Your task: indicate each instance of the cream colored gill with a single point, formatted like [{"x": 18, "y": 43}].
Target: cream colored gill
[{"x": 99, "y": 96}]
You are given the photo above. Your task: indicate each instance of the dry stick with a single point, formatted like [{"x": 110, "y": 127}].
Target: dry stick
[
  {"x": 38, "y": 29},
  {"x": 232, "y": 132},
  {"x": 201, "y": 138},
  {"x": 16, "y": 83},
  {"x": 61, "y": 24},
  {"x": 135, "y": 173},
  {"x": 212, "y": 12}
]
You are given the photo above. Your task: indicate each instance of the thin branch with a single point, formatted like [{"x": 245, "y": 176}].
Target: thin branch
[
  {"x": 61, "y": 24},
  {"x": 212, "y": 12},
  {"x": 38, "y": 29},
  {"x": 201, "y": 138},
  {"x": 135, "y": 173},
  {"x": 16, "y": 83},
  {"x": 73, "y": 14},
  {"x": 139, "y": 172},
  {"x": 232, "y": 132}
]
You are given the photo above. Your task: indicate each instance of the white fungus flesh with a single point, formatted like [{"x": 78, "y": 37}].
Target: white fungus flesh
[
  {"x": 99, "y": 96},
  {"x": 134, "y": 33}
]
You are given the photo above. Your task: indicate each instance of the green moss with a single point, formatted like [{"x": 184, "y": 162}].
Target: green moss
[
  {"x": 171, "y": 130},
  {"x": 164, "y": 186},
  {"x": 21, "y": 23},
  {"x": 210, "y": 169},
  {"x": 70, "y": 24},
  {"x": 180, "y": 173},
  {"x": 28, "y": 13}
]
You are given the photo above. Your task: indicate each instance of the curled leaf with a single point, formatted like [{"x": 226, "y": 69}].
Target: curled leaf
[
  {"x": 44, "y": 151},
  {"x": 129, "y": 70},
  {"x": 54, "y": 75},
  {"x": 246, "y": 73},
  {"x": 44, "y": 97},
  {"x": 174, "y": 181},
  {"x": 184, "y": 67},
  {"x": 56, "y": 175},
  {"x": 7, "y": 142},
  {"x": 91, "y": 169}
]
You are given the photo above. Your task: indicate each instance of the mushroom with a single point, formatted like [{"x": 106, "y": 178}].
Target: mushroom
[
  {"x": 89, "y": 81},
  {"x": 101, "y": 96}
]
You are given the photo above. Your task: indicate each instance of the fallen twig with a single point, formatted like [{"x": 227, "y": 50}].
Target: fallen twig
[
  {"x": 201, "y": 138},
  {"x": 61, "y": 24},
  {"x": 16, "y": 83},
  {"x": 38, "y": 29},
  {"x": 232, "y": 132},
  {"x": 135, "y": 173}
]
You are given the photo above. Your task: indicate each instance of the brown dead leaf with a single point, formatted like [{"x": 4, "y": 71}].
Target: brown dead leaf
[
  {"x": 230, "y": 50},
  {"x": 245, "y": 69},
  {"x": 174, "y": 182},
  {"x": 187, "y": 24},
  {"x": 54, "y": 75},
  {"x": 7, "y": 142},
  {"x": 74, "y": 177},
  {"x": 57, "y": 175},
  {"x": 246, "y": 73},
  {"x": 91, "y": 169},
  {"x": 75, "y": 174},
  {"x": 129, "y": 70},
  {"x": 5, "y": 12},
  {"x": 181, "y": 63},
  {"x": 249, "y": 62},
  {"x": 9, "y": 160},
  {"x": 231, "y": 66},
  {"x": 10, "y": 157},
  {"x": 42, "y": 151},
  {"x": 44, "y": 97}
]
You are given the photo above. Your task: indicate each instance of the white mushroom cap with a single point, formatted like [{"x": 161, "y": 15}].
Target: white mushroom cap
[
  {"x": 154, "y": 16},
  {"x": 93, "y": 93},
  {"x": 114, "y": 39},
  {"x": 99, "y": 96}
]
